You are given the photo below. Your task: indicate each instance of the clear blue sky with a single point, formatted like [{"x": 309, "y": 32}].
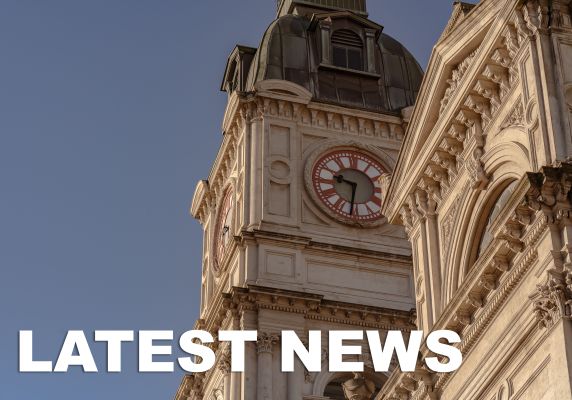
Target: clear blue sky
[{"x": 109, "y": 114}]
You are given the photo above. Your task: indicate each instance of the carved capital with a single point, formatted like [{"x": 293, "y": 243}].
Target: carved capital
[
  {"x": 224, "y": 362},
  {"x": 265, "y": 342},
  {"x": 553, "y": 300},
  {"x": 428, "y": 195},
  {"x": 550, "y": 191}
]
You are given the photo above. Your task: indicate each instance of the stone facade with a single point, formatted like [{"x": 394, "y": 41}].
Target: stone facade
[
  {"x": 485, "y": 159},
  {"x": 476, "y": 199}
]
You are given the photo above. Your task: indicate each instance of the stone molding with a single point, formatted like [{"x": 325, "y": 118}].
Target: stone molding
[
  {"x": 550, "y": 194},
  {"x": 484, "y": 291},
  {"x": 260, "y": 106}
]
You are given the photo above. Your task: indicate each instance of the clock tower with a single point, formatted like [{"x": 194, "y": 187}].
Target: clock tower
[{"x": 294, "y": 236}]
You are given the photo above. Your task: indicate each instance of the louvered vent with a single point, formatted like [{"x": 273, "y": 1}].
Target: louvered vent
[{"x": 345, "y": 37}]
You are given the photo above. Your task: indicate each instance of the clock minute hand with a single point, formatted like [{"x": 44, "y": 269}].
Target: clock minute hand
[{"x": 354, "y": 189}]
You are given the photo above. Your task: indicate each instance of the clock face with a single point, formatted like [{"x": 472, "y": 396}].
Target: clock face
[
  {"x": 347, "y": 182},
  {"x": 223, "y": 229}
]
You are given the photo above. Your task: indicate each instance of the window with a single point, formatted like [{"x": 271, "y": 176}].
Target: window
[
  {"x": 347, "y": 49},
  {"x": 486, "y": 235}
]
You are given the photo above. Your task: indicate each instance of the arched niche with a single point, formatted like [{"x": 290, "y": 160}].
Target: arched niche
[{"x": 505, "y": 161}]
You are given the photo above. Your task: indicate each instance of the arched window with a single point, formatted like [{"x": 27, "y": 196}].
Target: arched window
[
  {"x": 486, "y": 236},
  {"x": 347, "y": 49}
]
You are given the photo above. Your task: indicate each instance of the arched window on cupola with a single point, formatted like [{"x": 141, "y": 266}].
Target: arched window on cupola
[
  {"x": 347, "y": 49},
  {"x": 491, "y": 213}
]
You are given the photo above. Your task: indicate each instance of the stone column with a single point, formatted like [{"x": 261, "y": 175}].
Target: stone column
[
  {"x": 541, "y": 19},
  {"x": 235, "y": 376},
  {"x": 325, "y": 34},
  {"x": 264, "y": 349},
  {"x": 224, "y": 367},
  {"x": 296, "y": 381},
  {"x": 256, "y": 136},
  {"x": 370, "y": 49},
  {"x": 246, "y": 115},
  {"x": 428, "y": 208},
  {"x": 431, "y": 264},
  {"x": 417, "y": 234}
]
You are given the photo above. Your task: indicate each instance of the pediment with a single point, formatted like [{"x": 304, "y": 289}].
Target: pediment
[
  {"x": 452, "y": 70},
  {"x": 283, "y": 90},
  {"x": 237, "y": 67},
  {"x": 468, "y": 77},
  {"x": 460, "y": 12}
]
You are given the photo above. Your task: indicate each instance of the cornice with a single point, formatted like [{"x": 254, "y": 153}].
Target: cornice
[{"x": 312, "y": 246}]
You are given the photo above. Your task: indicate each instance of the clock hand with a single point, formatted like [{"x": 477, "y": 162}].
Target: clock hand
[
  {"x": 354, "y": 188},
  {"x": 341, "y": 179}
]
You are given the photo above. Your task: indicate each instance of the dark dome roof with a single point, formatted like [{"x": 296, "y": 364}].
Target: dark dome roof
[{"x": 289, "y": 52}]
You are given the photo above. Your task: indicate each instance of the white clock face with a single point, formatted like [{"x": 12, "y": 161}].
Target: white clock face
[{"x": 347, "y": 182}]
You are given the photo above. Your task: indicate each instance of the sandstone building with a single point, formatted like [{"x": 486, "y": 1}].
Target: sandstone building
[{"x": 348, "y": 194}]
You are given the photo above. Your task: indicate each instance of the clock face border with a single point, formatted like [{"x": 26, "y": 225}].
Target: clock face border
[
  {"x": 219, "y": 249},
  {"x": 325, "y": 149}
]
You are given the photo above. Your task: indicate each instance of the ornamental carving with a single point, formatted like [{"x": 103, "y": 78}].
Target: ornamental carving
[
  {"x": 515, "y": 117},
  {"x": 224, "y": 363},
  {"x": 449, "y": 221},
  {"x": 456, "y": 77},
  {"x": 553, "y": 300},
  {"x": 358, "y": 388},
  {"x": 265, "y": 342},
  {"x": 550, "y": 190}
]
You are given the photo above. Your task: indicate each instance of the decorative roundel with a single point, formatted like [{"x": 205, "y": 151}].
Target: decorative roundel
[
  {"x": 223, "y": 231},
  {"x": 347, "y": 183}
]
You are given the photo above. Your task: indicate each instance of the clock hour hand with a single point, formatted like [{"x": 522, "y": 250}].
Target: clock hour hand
[{"x": 341, "y": 179}]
